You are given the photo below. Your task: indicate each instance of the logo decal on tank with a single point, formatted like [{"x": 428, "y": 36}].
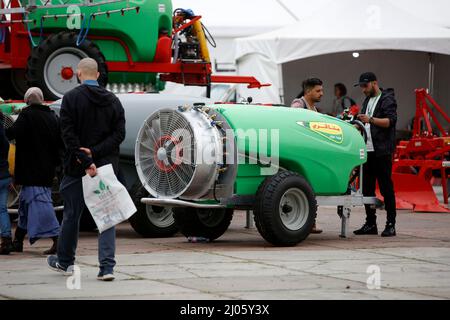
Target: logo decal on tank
[{"x": 330, "y": 131}]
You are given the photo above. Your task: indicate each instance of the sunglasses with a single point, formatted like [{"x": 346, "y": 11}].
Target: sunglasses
[{"x": 364, "y": 85}]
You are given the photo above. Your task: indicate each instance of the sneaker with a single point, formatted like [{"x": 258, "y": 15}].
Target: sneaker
[
  {"x": 54, "y": 265},
  {"x": 389, "y": 231},
  {"x": 367, "y": 229},
  {"x": 106, "y": 277}
]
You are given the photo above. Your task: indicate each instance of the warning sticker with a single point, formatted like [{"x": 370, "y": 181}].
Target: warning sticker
[{"x": 330, "y": 131}]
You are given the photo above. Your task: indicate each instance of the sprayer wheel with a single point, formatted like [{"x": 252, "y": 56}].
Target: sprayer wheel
[
  {"x": 285, "y": 209},
  {"x": 206, "y": 223}
]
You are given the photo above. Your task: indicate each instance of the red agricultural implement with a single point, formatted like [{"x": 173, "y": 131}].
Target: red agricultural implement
[{"x": 425, "y": 153}]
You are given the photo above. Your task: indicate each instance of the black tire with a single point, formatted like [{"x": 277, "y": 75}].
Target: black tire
[
  {"x": 40, "y": 54},
  {"x": 7, "y": 90},
  {"x": 19, "y": 82},
  {"x": 145, "y": 220},
  {"x": 206, "y": 223},
  {"x": 268, "y": 219}
]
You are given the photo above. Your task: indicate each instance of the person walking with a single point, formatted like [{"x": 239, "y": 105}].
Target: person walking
[
  {"x": 5, "y": 180},
  {"x": 93, "y": 127},
  {"x": 312, "y": 93},
  {"x": 379, "y": 114},
  {"x": 38, "y": 149}
]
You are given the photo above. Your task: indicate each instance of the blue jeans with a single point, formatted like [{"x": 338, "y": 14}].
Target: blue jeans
[
  {"x": 5, "y": 222},
  {"x": 72, "y": 193}
]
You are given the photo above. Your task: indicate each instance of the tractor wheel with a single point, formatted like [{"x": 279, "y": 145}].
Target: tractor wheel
[
  {"x": 19, "y": 82},
  {"x": 285, "y": 209},
  {"x": 151, "y": 221},
  {"x": 7, "y": 91},
  {"x": 205, "y": 223},
  {"x": 52, "y": 64}
]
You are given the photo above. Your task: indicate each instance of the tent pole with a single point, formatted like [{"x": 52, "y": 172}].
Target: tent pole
[
  {"x": 430, "y": 74},
  {"x": 280, "y": 83}
]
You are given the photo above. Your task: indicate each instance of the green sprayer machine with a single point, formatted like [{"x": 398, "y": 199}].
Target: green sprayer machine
[{"x": 279, "y": 162}]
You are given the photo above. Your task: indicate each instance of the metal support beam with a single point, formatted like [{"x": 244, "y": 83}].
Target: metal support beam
[{"x": 249, "y": 219}]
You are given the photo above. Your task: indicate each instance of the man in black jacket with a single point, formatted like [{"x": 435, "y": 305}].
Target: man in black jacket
[
  {"x": 93, "y": 127},
  {"x": 379, "y": 114}
]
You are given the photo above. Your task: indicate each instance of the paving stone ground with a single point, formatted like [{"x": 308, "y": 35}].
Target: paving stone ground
[{"x": 241, "y": 265}]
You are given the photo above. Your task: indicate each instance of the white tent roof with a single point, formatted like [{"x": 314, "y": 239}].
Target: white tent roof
[{"x": 348, "y": 25}]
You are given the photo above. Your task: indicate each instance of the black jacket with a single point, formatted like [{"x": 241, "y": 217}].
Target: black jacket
[
  {"x": 38, "y": 146},
  {"x": 4, "y": 151},
  {"x": 91, "y": 117},
  {"x": 383, "y": 139}
]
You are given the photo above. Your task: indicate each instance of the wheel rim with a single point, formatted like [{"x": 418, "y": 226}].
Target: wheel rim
[
  {"x": 294, "y": 209},
  {"x": 210, "y": 218},
  {"x": 161, "y": 217},
  {"x": 58, "y": 67}
]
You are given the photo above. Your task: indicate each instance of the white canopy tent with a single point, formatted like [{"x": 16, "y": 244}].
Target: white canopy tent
[
  {"x": 405, "y": 51},
  {"x": 232, "y": 19}
]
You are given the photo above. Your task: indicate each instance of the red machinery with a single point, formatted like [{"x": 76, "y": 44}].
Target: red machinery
[
  {"x": 416, "y": 159},
  {"x": 15, "y": 50}
]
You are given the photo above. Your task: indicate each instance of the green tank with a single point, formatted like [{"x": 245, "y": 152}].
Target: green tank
[
  {"x": 52, "y": 61},
  {"x": 138, "y": 30},
  {"x": 11, "y": 108},
  {"x": 321, "y": 148}
]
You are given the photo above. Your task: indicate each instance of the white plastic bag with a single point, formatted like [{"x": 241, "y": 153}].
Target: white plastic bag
[{"x": 107, "y": 199}]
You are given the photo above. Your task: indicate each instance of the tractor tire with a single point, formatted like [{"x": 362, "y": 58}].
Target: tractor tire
[
  {"x": 19, "y": 82},
  {"x": 206, "y": 223},
  {"x": 7, "y": 91},
  {"x": 151, "y": 221},
  {"x": 58, "y": 51},
  {"x": 285, "y": 209}
]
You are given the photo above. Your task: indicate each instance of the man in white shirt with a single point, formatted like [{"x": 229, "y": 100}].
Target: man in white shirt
[{"x": 379, "y": 115}]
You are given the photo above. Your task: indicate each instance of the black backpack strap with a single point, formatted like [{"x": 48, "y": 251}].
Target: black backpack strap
[{"x": 352, "y": 102}]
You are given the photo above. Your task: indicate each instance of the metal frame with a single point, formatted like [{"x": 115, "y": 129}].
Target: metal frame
[{"x": 344, "y": 204}]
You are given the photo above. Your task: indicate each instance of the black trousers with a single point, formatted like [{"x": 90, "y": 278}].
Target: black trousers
[{"x": 379, "y": 169}]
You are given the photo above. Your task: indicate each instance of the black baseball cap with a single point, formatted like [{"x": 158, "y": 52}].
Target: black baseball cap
[{"x": 365, "y": 78}]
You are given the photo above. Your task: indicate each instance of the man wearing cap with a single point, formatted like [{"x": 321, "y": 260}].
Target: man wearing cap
[{"x": 379, "y": 115}]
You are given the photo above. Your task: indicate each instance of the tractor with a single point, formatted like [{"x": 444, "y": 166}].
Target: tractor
[{"x": 132, "y": 41}]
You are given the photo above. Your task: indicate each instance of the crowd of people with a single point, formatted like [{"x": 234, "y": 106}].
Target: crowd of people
[{"x": 86, "y": 135}]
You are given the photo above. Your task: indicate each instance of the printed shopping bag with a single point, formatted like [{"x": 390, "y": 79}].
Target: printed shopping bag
[{"x": 107, "y": 199}]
